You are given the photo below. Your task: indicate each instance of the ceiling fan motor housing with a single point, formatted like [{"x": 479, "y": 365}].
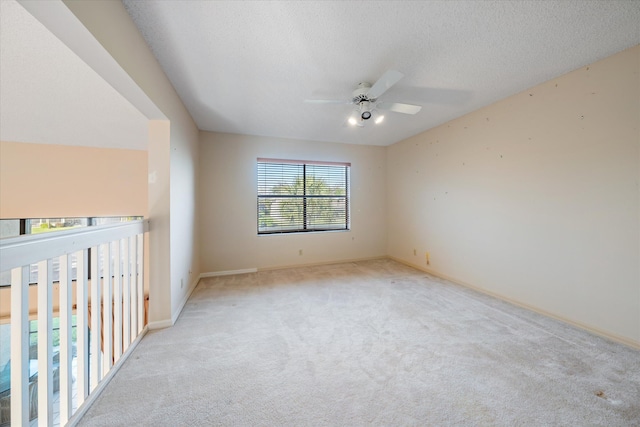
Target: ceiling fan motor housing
[
  {"x": 360, "y": 94},
  {"x": 362, "y": 100}
]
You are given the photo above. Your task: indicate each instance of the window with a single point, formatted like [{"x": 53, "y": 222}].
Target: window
[{"x": 299, "y": 196}]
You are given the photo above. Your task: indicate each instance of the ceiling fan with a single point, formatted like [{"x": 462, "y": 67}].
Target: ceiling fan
[{"x": 365, "y": 98}]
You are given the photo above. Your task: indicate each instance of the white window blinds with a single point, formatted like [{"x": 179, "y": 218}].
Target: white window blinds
[{"x": 299, "y": 196}]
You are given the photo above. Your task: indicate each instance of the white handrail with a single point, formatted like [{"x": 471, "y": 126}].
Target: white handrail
[
  {"x": 107, "y": 306},
  {"x": 29, "y": 249}
]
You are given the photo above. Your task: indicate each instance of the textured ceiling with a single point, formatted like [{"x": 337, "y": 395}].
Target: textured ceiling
[
  {"x": 246, "y": 67},
  {"x": 49, "y": 95}
]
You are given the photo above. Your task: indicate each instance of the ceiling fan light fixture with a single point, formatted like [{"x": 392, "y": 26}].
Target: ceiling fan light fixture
[{"x": 365, "y": 110}]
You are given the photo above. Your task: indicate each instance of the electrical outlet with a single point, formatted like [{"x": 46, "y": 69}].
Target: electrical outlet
[
  {"x": 427, "y": 258},
  {"x": 299, "y": 251},
  {"x": 415, "y": 252}
]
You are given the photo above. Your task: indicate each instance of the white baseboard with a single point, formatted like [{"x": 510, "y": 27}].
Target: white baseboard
[
  {"x": 227, "y": 273},
  {"x": 283, "y": 267},
  {"x": 320, "y": 263},
  {"x": 613, "y": 337},
  {"x": 176, "y": 314},
  {"x": 160, "y": 324}
]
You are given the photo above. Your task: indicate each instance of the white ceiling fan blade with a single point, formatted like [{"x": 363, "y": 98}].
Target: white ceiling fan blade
[
  {"x": 327, "y": 101},
  {"x": 387, "y": 80},
  {"x": 399, "y": 108}
]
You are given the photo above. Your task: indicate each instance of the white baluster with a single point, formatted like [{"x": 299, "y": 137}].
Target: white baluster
[
  {"x": 20, "y": 346},
  {"x": 107, "y": 305},
  {"x": 126, "y": 290},
  {"x": 140, "y": 296},
  {"x": 117, "y": 304},
  {"x": 45, "y": 345},
  {"x": 82, "y": 326},
  {"x": 66, "y": 378},
  {"x": 95, "y": 364},
  {"x": 134, "y": 283}
]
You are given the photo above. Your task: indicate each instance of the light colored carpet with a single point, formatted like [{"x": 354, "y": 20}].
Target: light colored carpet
[{"x": 367, "y": 343}]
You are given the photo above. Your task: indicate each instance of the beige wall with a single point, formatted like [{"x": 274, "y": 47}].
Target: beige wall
[
  {"x": 172, "y": 160},
  {"x": 228, "y": 195},
  {"x": 52, "y": 181},
  {"x": 534, "y": 198}
]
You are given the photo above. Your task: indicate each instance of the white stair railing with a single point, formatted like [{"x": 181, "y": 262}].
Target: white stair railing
[{"x": 109, "y": 308}]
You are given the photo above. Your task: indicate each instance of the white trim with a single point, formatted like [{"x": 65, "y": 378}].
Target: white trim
[
  {"x": 613, "y": 337},
  {"x": 228, "y": 272},
  {"x": 160, "y": 324},
  {"x": 283, "y": 267},
  {"x": 95, "y": 394},
  {"x": 176, "y": 314},
  {"x": 301, "y": 162},
  {"x": 320, "y": 263}
]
